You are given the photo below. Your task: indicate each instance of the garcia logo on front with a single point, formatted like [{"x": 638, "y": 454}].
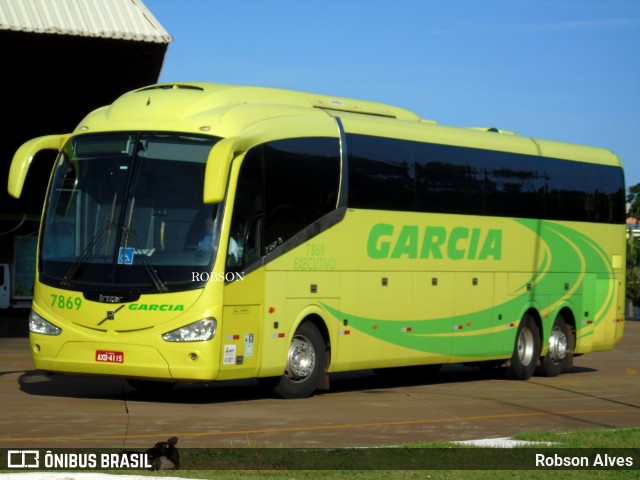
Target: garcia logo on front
[{"x": 434, "y": 242}]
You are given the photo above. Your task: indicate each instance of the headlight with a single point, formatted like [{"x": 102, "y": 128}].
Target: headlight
[
  {"x": 196, "y": 332},
  {"x": 37, "y": 324}
]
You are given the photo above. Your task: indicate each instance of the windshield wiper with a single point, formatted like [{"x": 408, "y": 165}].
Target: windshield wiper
[
  {"x": 130, "y": 233},
  {"x": 88, "y": 253}
]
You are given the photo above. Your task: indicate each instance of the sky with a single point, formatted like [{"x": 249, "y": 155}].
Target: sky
[{"x": 566, "y": 70}]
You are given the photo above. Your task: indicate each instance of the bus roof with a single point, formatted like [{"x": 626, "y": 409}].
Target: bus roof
[{"x": 227, "y": 110}]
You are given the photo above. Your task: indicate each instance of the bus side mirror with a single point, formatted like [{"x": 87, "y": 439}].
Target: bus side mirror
[
  {"x": 217, "y": 170},
  {"x": 24, "y": 156}
]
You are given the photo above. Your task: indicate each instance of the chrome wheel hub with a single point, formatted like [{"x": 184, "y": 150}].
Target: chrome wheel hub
[
  {"x": 302, "y": 359},
  {"x": 525, "y": 347},
  {"x": 557, "y": 345}
]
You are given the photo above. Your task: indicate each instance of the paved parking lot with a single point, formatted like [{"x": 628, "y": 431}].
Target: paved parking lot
[{"x": 39, "y": 410}]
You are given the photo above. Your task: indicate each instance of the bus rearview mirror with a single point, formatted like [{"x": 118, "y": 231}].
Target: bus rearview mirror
[
  {"x": 24, "y": 156},
  {"x": 217, "y": 170}
]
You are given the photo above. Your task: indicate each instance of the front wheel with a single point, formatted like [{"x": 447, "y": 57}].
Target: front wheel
[
  {"x": 306, "y": 363},
  {"x": 526, "y": 350},
  {"x": 559, "y": 355}
]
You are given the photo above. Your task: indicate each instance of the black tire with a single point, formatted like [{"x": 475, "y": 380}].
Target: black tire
[
  {"x": 526, "y": 350},
  {"x": 306, "y": 363},
  {"x": 560, "y": 351}
]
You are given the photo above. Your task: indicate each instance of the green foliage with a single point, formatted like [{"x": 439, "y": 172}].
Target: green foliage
[
  {"x": 633, "y": 198},
  {"x": 633, "y": 270},
  {"x": 633, "y": 249}
]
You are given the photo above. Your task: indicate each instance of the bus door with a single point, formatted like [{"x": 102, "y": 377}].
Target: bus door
[
  {"x": 241, "y": 326},
  {"x": 243, "y": 312}
]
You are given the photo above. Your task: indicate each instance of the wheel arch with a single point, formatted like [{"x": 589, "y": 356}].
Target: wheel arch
[
  {"x": 537, "y": 318},
  {"x": 569, "y": 318},
  {"x": 313, "y": 314}
]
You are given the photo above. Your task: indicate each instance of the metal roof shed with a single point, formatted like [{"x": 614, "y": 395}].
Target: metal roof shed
[
  {"x": 80, "y": 54},
  {"x": 115, "y": 19},
  {"x": 61, "y": 59}
]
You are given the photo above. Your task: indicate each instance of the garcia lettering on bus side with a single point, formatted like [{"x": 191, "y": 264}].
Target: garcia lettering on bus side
[{"x": 434, "y": 242}]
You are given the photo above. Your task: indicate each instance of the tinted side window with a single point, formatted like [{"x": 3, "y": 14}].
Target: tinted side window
[
  {"x": 482, "y": 182},
  {"x": 584, "y": 192},
  {"x": 610, "y": 198},
  {"x": 380, "y": 173},
  {"x": 395, "y": 174},
  {"x": 246, "y": 234},
  {"x": 513, "y": 185},
  {"x": 390, "y": 174},
  {"x": 449, "y": 179},
  {"x": 302, "y": 178},
  {"x": 283, "y": 186},
  {"x": 567, "y": 187}
]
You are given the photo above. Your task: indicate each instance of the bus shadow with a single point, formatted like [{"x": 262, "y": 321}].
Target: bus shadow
[
  {"x": 371, "y": 382},
  {"x": 39, "y": 383}
]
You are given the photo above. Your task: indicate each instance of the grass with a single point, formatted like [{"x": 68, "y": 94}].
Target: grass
[
  {"x": 620, "y": 438},
  {"x": 351, "y": 461}
]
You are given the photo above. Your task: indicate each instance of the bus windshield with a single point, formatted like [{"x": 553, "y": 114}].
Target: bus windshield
[{"x": 125, "y": 214}]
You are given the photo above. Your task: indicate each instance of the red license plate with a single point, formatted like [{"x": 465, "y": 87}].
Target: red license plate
[{"x": 109, "y": 356}]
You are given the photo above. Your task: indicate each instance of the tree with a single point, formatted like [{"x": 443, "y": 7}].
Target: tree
[
  {"x": 633, "y": 270},
  {"x": 633, "y": 199}
]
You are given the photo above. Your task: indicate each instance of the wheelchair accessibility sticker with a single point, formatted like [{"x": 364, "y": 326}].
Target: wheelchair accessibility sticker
[{"x": 125, "y": 256}]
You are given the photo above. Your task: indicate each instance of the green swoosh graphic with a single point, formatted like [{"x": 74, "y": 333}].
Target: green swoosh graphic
[
  {"x": 597, "y": 262},
  {"x": 563, "y": 249}
]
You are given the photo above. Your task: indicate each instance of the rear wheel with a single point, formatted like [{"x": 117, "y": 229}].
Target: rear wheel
[
  {"x": 526, "y": 350},
  {"x": 306, "y": 363},
  {"x": 559, "y": 355}
]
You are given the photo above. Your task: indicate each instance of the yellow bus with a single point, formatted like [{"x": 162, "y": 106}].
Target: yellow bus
[{"x": 197, "y": 232}]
